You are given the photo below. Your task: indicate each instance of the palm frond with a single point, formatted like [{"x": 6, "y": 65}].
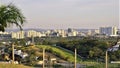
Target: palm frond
[{"x": 10, "y": 14}]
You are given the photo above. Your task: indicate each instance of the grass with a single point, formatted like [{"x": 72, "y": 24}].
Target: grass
[
  {"x": 102, "y": 65},
  {"x": 4, "y": 65},
  {"x": 60, "y": 52}
]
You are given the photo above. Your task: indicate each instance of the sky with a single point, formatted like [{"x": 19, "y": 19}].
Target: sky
[{"x": 63, "y": 14}]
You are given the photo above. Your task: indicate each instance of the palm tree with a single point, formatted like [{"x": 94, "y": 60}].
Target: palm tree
[{"x": 10, "y": 14}]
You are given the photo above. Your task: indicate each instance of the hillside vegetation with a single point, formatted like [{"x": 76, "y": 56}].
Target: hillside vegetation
[
  {"x": 63, "y": 54},
  {"x": 35, "y": 53},
  {"x": 12, "y": 66}
]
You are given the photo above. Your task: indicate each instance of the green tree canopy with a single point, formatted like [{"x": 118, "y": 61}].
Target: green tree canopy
[{"x": 10, "y": 14}]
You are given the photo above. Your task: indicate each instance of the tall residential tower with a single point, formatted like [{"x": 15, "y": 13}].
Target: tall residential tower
[{"x": 108, "y": 30}]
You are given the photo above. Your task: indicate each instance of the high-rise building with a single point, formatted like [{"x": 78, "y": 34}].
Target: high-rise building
[
  {"x": 97, "y": 31},
  {"x": 70, "y": 30},
  {"x": 18, "y": 35},
  {"x": 3, "y": 32},
  {"x": 33, "y": 33},
  {"x": 61, "y": 32},
  {"x": 4, "y": 35},
  {"x": 108, "y": 30},
  {"x": 73, "y": 33}
]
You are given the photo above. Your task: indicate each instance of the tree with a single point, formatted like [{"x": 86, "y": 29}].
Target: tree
[{"x": 10, "y": 14}]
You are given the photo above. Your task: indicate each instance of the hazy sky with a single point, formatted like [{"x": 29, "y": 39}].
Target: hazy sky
[{"x": 63, "y": 14}]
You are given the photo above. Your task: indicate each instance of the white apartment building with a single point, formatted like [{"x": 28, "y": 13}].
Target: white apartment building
[
  {"x": 3, "y": 32},
  {"x": 73, "y": 33},
  {"x": 61, "y": 32},
  {"x": 97, "y": 31},
  {"x": 33, "y": 33},
  {"x": 89, "y": 32},
  {"x": 92, "y": 32},
  {"x": 18, "y": 35}
]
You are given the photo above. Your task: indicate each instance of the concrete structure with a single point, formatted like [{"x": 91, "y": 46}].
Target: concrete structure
[
  {"x": 3, "y": 32},
  {"x": 97, "y": 31},
  {"x": 18, "y": 35},
  {"x": 4, "y": 35},
  {"x": 33, "y": 33},
  {"x": 108, "y": 30},
  {"x": 61, "y": 32},
  {"x": 73, "y": 33},
  {"x": 92, "y": 32},
  {"x": 70, "y": 30},
  {"x": 20, "y": 53}
]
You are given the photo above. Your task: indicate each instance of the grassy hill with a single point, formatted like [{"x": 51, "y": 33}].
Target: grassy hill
[
  {"x": 4, "y": 65},
  {"x": 34, "y": 51},
  {"x": 63, "y": 54}
]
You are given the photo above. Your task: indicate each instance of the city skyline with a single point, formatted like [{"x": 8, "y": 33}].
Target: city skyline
[{"x": 57, "y": 14}]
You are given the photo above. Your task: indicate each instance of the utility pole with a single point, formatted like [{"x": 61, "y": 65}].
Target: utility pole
[
  {"x": 32, "y": 39},
  {"x": 75, "y": 57},
  {"x": 13, "y": 53},
  {"x": 43, "y": 57},
  {"x": 106, "y": 59}
]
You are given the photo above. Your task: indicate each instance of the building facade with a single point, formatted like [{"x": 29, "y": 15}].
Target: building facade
[
  {"x": 108, "y": 30},
  {"x": 18, "y": 35}
]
